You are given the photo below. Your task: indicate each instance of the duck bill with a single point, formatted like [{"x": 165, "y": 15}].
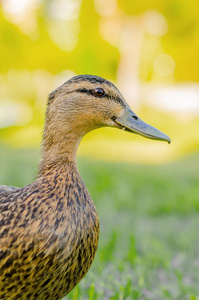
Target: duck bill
[{"x": 132, "y": 123}]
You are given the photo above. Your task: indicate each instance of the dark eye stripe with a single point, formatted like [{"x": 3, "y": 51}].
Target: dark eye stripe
[
  {"x": 91, "y": 92},
  {"x": 83, "y": 90}
]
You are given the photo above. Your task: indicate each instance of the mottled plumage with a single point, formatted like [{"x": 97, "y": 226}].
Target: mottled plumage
[
  {"x": 49, "y": 234},
  {"x": 49, "y": 229}
]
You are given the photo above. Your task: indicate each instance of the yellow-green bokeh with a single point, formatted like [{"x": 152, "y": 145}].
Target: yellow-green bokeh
[{"x": 148, "y": 49}]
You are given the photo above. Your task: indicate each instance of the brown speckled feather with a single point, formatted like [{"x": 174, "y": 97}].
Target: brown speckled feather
[
  {"x": 6, "y": 189},
  {"x": 51, "y": 242}
]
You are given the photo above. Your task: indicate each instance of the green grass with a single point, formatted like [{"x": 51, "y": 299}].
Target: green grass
[{"x": 149, "y": 215}]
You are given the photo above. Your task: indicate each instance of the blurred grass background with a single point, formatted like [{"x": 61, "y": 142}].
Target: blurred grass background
[
  {"x": 149, "y": 215},
  {"x": 146, "y": 192}
]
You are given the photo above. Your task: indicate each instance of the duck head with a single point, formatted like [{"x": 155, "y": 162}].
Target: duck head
[{"x": 85, "y": 103}]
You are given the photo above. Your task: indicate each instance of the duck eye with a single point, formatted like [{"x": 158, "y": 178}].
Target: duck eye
[{"x": 99, "y": 92}]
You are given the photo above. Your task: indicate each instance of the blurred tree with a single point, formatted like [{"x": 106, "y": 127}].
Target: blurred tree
[
  {"x": 181, "y": 40},
  {"x": 94, "y": 55},
  {"x": 41, "y": 52},
  {"x": 132, "y": 42}
]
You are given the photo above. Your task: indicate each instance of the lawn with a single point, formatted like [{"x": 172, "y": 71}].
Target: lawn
[{"x": 149, "y": 215}]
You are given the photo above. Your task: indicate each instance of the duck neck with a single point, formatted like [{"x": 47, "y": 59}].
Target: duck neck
[
  {"x": 64, "y": 128},
  {"x": 58, "y": 149}
]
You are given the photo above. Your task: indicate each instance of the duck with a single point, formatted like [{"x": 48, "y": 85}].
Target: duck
[{"x": 49, "y": 229}]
